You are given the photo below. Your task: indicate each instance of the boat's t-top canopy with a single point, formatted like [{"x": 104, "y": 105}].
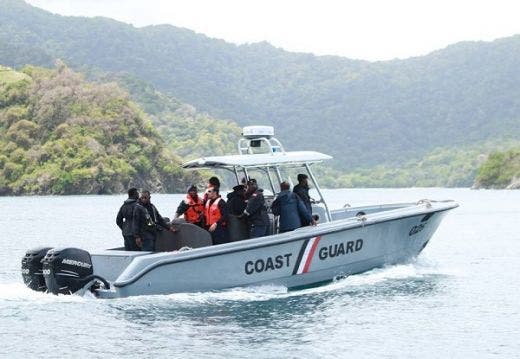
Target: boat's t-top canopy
[
  {"x": 259, "y": 150},
  {"x": 260, "y": 160}
]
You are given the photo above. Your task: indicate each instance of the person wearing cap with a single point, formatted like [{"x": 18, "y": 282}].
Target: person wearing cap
[
  {"x": 290, "y": 208},
  {"x": 256, "y": 211},
  {"x": 302, "y": 190},
  {"x": 216, "y": 216},
  {"x": 238, "y": 225},
  {"x": 236, "y": 200},
  {"x": 192, "y": 207}
]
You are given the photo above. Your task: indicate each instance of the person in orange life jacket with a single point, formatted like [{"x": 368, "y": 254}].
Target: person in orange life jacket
[
  {"x": 191, "y": 207},
  {"x": 256, "y": 211},
  {"x": 215, "y": 216},
  {"x": 213, "y": 183}
]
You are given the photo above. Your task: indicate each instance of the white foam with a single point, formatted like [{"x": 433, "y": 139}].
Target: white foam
[
  {"x": 19, "y": 292},
  {"x": 242, "y": 294}
]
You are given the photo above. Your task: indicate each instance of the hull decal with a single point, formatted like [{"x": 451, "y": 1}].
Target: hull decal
[
  {"x": 427, "y": 217},
  {"x": 306, "y": 253}
]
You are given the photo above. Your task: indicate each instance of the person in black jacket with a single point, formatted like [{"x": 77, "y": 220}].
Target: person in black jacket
[
  {"x": 256, "y": 211},
  {"x": 238, "y": 227},
  {"x": 302, "y": 190},
  {"x": 124, "y": 219},
  {"x": 236, "y": 200},
  {"x": 147, "y": 221}
]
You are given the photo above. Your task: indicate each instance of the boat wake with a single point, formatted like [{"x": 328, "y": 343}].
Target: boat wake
[{"x": 20, "y": 293}]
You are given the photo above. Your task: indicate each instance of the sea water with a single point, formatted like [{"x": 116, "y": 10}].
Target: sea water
[{"x": 459, "y": 299}]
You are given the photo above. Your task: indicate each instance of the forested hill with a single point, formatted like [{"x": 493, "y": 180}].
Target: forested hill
[
  {"x": 363, "y": 113},
  {"x": 501, "y": 170},
  {"x": 189, "y": 133},
  {"x": 62, "y": 135}
]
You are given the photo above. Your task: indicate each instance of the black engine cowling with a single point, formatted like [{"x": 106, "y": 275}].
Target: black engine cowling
[
  {"x": 32, "y": 268},
  {"x": 67, "y": 270}
]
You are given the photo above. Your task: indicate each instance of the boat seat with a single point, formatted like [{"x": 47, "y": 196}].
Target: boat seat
[
  {"x": 271, "y": 228},
  {"x": 186, "y": 235},
  {"x": 238, "y": 228}
]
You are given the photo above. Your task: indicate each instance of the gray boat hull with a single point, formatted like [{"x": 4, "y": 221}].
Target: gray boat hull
[{"x": 349, "y": 244}]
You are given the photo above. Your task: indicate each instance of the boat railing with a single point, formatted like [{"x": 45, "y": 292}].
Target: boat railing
[{"x": 249, "y": 146}]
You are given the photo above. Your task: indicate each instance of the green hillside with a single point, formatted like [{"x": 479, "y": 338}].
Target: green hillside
[
  {"x": 187, "y": 132},
  {"x": 501, "y": 170},
  {"x": 192, "y": 134},
  {"x": 364, "y": 114},
  {"x": 442, "y": 167},
  {"x": 62, "y": 135},
  {"x": 8, "y": 76}
]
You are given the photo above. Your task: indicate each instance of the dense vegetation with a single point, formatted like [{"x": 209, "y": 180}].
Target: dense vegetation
[
  {"x": 502, "y": 169},
  {"x": 426, "y": 121},
  {"x": 442, "y": 167},
  {"x": 365, "y": 114},
  {"x": 187, "y": 132},
  {"x": 62, "y": 135}
]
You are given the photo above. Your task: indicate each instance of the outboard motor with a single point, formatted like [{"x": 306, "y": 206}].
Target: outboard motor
[
  {"x": 67, "y": 270},
  {"x": 32, "y": 268}
]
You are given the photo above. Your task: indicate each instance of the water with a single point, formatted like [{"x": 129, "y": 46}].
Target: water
[{"x": 458, "y": 299}]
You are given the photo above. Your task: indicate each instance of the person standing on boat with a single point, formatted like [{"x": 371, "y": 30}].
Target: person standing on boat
[
  {"x": 213, "y": 182},
  {"x": 302, "y": 190},
  {"x": 291, "y": 209},
  {"x": 238, "y": 227},
  {"x": 215, "y": 216},
  {"x": 237, "y": 200},
  {"x": 147, "y": 222},
  {"x": 124, "y": 219},
  {"x": 192, "y": 207},
  {"x": 256, "y": 211}
]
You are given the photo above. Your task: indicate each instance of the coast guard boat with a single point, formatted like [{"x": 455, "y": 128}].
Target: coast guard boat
[{"x": 345, "y": 241}]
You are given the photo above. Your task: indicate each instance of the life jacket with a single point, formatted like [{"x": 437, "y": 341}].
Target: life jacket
[
  {"x": 195, "y": 209},
  {"x": 212, "y": 212}
]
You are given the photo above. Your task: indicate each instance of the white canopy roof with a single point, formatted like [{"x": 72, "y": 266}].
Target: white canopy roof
[{"x": 289, "y": 159}]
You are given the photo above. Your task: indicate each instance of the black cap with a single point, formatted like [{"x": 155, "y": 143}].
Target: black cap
[
  {"x": 238, "y": 188},
  {"x": 302, "y": 176},
  {"x": 192, "y": 188}
]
